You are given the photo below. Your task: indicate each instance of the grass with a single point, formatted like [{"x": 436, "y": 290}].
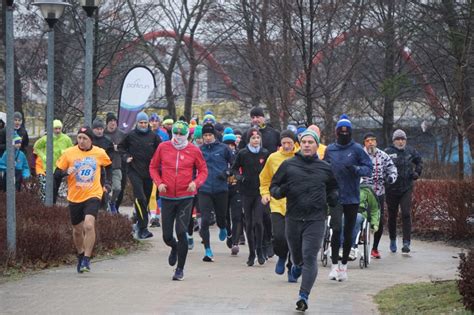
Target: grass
[{"x": 421, "y": 298}]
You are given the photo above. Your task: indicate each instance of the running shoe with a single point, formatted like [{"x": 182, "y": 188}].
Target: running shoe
[
  {"x": 209, "y": 256},
  {"x": 302, "y": 303},
  {"x": 393, "y": 246},
  {"x": 242, "y": 240},
  {"x": 228, "y": 241},
  {"x": 251, "y": 260},
  {"x": 260, "y": 257},
  {"x": 342, "y": 273},
  {"x": 113, "y": 208},
  {"x": 79, "y": 262},
  {"x": 155, "y": 222},
  {"x": 406, "y": 247},
  {"x": 85, "y": 264},
  {"x": 291, "y": 279},
  {"x": 235, "y": 250},
  {"x": 296, "y": 271},
  {"x": 144, "y": 234},
  {"x": 173, "y": 257},
  {"x": 333, "y": 273},
  {"x": 280, "y": 266},
  {"x": 375, "y": 254},
  {"x": 178, "y": 274},
  {"x": 222, "y": 234}
]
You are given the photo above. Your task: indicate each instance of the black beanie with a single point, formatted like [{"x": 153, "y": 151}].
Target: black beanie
[
  {"x": 369, "y": 134},
  {"x": 257, "y": 112},
  {"x": 208, "y": 128},
  {"x": 219, "y": 127},
  {"x": 110, "y": 116},
  {"x": 288, "y": 134},
  {"x": 87, "y": 131}
]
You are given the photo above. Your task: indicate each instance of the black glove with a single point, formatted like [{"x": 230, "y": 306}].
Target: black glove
[
  {"x": 415, "y": 176},
  {"x": 352, "y": 169}
]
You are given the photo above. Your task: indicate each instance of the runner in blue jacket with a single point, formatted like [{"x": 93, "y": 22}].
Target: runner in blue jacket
[{"x": 349, "y": 162}]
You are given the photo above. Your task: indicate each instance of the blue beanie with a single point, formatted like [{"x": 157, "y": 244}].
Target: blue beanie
[
  {"x": 344, "y": 122},
  {"x": 300, "y": 129},
  {"x": 228, "y": 130},
  {"x": 142, "y": 116},
  {"x": 229, "y": 138}
]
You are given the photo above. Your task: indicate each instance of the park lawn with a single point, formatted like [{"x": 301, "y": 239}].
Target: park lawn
[{"x": 421, "y": 298}]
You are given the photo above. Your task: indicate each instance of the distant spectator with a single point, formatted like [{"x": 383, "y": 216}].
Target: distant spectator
[
  {"x": 19, "y": 130},
  {"x": 22, "y": 170}
]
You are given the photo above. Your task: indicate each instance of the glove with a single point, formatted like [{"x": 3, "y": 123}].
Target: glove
[
  {"x": 224, "y": 175},
  {"x": 375, "y": 228},
  {"x": 391, "y": 180},
  {"x": 415, "y": 176},
  {"x": 108, "y": 188}
]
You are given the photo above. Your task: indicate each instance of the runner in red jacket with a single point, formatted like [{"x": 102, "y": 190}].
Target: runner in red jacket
[{"x": 178, "y": 169}]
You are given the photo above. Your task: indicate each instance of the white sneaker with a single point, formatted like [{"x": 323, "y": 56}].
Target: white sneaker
[
  {"x": 334, "y": 272},
  {"x": 342, "y": 273},
  {"x": 354, "y": 253}
]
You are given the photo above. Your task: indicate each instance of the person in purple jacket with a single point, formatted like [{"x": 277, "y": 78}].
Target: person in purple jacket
[{"x": 349, "y": 162}]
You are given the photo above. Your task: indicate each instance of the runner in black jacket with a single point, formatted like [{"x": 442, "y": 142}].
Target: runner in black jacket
[
  {"x": 250, "y": 160},
  {"x": 137, "y": 149},
  {"x": 309, "y": 185}
]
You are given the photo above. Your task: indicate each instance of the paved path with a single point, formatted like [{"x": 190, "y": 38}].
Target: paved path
[{"x": 140, "y": 283}]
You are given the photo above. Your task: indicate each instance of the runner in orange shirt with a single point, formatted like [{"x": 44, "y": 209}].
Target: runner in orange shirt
[{"x": 83, "y": 165}]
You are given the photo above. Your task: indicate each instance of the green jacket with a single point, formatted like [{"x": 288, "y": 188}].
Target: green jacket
[
  {"x": 60, "y": 143},
  {"x": 369, "y": 203}
]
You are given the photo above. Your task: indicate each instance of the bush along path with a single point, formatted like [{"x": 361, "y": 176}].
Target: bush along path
[
  {"x": 141, "y": 283},
  {"x": 44, "y": 234}
]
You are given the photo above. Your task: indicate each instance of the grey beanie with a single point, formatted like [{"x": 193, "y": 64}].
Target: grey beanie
[
  {"x": 98, "y": 123},
  {"x": 17, "y": 115},
  {"x": 399, "y": 134}
]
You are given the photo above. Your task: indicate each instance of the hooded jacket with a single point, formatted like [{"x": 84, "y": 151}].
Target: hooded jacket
[
  {"x": 177, "y": 168},
  {"x": 409, "y": 165},
  {"x": 60, "y": 143},
  {"x": 271, "y": 167},
  {"x": 348, "y": 162},
  {"x": 218, "y": 160},
  {"x": 140, "y": 146},
  {"x": 249, "y": 165},
  {"x": 21, "y": 164},
  {"x": 383, "y": 169},
  {"x": 309, "y": 185}
]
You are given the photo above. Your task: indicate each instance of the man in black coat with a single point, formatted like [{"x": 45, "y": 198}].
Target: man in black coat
[
  {"x": 137, "y": 149},
  {"x": 409, "y": 167},
  {"x": 309, "y": 185},
  {"x": 270, "y": 137}
]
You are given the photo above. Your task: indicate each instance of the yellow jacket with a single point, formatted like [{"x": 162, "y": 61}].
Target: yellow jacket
[
  {"x": 321, "y": 150},
  {"x": 271, "y": 166}
]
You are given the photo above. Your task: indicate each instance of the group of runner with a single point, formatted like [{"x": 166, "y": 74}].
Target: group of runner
[{"x": 278, "y": 187}]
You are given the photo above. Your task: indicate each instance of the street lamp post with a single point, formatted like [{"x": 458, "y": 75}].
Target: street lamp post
[
  {"x": 89, "y": 6},
  {"x": 51, "y": 10},
  {"x": 9, "y": 89}
]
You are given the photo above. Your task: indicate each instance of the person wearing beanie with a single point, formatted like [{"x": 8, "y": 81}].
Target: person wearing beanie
[
  {"x": 20, "y": 130},
  {"x": 137, "y": 149},
  {"x": 309, "y": 186},
  {"x": 219, "y": 131},
  {"x": 178, "y": 169},
  {"x": 270, "y": 137},
  {"x": 247, "y": 166},
  {"x": 197, "y": 136},
  {"x": 213, "y": 194},
  {"x": 384, "y": 173},
  {"x": 22, "y": 170},
  {"x": 155, "y": 125},
  {"x": 119, "y": 166},
  {"x": 409, "y": 166},
  {"x": 238, "y": 135},
  {"x": 83, "y": 165},
  {"x": 61, "y": 142},
  {"x": 229, "y": 139},
  {"x": 168, "y": 125},
  {"x": 321, "y": 147},
  {"x": 349, "y": 162},
  {"x": 209, "y": 119},
  {"x": 287, "y": 150}
]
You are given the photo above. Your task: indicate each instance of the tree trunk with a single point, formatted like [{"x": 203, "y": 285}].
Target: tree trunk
[
  {"x": 388, "y": 108},
  {"x": 169, "y": 95},
  {"x": 461, "y": 156}
]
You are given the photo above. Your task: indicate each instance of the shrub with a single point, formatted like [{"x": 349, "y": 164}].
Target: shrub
[
  {"x": 442, "y": 207},
  {"x": 466, "y": 279},
  {"x": 44, "y": 234}
]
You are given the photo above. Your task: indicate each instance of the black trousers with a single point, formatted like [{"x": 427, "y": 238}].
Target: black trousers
[
  {"x": 404, "y": 201},
  {"x": 379, "y": 233},
  {"x": 350, "y": 215},
  {"x": 123, "y": 185},
  {"x": 207, "y": 204},
  {"x": 253, "y": 209},
  {"x": 280, "y": 243},
  {"x": 176, "y": 212},
  {"x": 234, "y": 214},
  {"x": 141, "y": 191}
]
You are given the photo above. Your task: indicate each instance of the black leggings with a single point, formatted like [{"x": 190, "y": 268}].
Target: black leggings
[
  {"x": 350, "y": 215},
  {"x": 176, "y": 212},
  {"x": 234, "y": 215},
  {"x": 378, "y": 234},
  {"x": 191, "y": 220},
  {"x": 393, "y": 201},
  {"x": 207, "y": 203},
  {"x": 141, "y": 191},
  {"x": 253, "y": 209},
  {"x": 280, "y": 244}
]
